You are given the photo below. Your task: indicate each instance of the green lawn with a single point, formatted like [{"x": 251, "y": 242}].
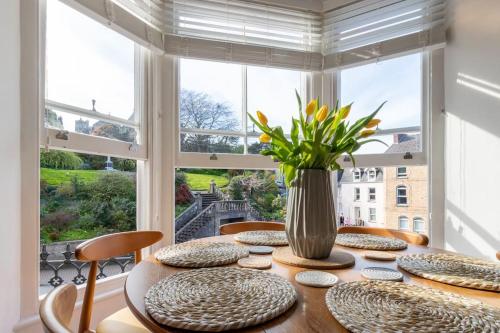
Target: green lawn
[
  {"x": 56, "y": 177},
  {"x": 197, "y": 182},
  {"x": 201, "y": 182}
]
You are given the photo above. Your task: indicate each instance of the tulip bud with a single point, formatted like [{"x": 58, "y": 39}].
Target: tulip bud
[
  {"x": 322, "y": 113},
  {"x": 345, "y": 110},
  {"x": 373, "y": 123},
  {"x": 311, "y": 107},
  {"x": 366, "y": 133},
  {"x": 262, "y": 118},
  {"x": 265, "y": 138}
]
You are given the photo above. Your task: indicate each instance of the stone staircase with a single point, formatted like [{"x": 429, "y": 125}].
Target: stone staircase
[{"x": 207, "y": 199}]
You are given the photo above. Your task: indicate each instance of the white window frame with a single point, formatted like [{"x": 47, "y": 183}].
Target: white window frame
[
  {"x": 398, "y": 196},
  {"x": 89, "y": 144},
  {"x": 374, "y": 194},
  {"x": 372, "y": 217},
  {"x": 357, "y": 194},
  {"x": 356, "y": 175},
  {"x": 401, "y": 175},
  {"x": 234, "y": 161},
  {"x": 386, "y": 160},
  {"x": 372, "y": 175},
  {"x": 421, "y": 220},
  {"x": 403, "y": 218}
]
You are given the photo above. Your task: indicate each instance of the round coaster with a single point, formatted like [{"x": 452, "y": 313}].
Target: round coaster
[
  {"x": 383, "y": 256},
  {"x": 316, "y": 279},
  {"x": 337, "y": 259},
  {"x": 261, "y": 249},
  {"x": 255, "y": 262},
  {"x": 381, "y": 273}
]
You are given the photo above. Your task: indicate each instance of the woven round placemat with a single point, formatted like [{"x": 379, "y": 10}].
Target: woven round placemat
[
  {"x": 370, "y": 242},
  {"x": 382, "y": 306},
  {"x": 453, "y": 269},
  {"x": 219, "y": 299},
  {"x": 262, "y": 237},
  {"x": 201, "y": 254}
]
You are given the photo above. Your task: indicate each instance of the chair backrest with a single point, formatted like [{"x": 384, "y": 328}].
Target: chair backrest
[
  {"x": 498, "y": 255},
  {"x": 234, "y": 228},
  {"x": 409, "y": 237},
  {"x": 56, "y": 309},
  {"x": 105, "y": 247}
]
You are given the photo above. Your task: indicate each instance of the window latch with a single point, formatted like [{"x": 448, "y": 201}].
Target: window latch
[
  {"x": 213, "y": 157},
  {"x": 347, "y": 159},
  {"x": 134, "y": 147},
  {"x": 62, "y": 135},
  {"x": 408, "y": 156}
]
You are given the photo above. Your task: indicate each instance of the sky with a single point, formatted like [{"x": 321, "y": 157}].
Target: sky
[{"x": 86, "y": 60}]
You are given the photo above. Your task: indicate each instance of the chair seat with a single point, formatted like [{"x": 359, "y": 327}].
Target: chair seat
[{"x": 122, "y": 321}]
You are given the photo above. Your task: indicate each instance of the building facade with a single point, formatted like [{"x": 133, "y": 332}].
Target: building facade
[
  {"x": 361, "y": 197},
  {"x": 406, "y": 201}
]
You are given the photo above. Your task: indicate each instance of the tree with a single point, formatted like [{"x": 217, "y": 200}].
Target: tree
[{"x": 199, "y": 110}]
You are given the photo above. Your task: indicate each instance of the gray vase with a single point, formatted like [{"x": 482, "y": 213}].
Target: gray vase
[{"x": 310, "y": 220}]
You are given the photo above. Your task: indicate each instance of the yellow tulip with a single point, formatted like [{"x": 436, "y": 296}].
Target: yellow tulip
[
  {"x": 262, "y": 118},
  {"x": 366, "y": 133},
  {"x": 373, "y": 123},
  {"x": 311, "y": 107},
  {"x": 322, "y": 113},
  {"x": 265, "y": 138},
  {"x": 345, "y": 110}
]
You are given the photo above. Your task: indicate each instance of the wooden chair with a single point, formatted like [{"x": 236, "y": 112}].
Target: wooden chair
[
  {"x": 234, "y": 228},
  {"x": 57, "y": 307},
  {"x": 498, "y": 255},
  {"x": 407, "y": 236}
]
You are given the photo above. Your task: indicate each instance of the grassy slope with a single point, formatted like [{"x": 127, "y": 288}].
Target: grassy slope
[
  {"x": 57, "y": 177},
  {"x": 197, "y": 182},
  {"x": 200, "y": 182}
]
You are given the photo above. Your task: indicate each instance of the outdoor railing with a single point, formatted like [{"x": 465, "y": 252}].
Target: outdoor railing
[
  {"x": 202, "y": 220},
  {"x": 63, "y": 267},
  {"x": 188, "y": 214},
  {"x": 231, "y": 206}
]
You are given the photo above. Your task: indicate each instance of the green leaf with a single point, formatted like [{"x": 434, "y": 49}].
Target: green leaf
[{"x": 294, "y": 132}]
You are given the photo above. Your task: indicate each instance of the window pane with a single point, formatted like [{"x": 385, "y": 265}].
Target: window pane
[
  {"x": 87, "y": 61},
  {"x": 397, "y": 81},
  {"x": 211, "y": 144},
  {"x": 272, "y": 91},
  {"x": 81, "y": 197},
  {"x": 208, "y": 198},
  {"x": 210, "y": 95},
  {"x": 73, "y": 123},
  {"x": 382, "y": 196}
]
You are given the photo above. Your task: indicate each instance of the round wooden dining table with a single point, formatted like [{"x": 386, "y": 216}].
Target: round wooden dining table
[{"x": 310, "y": 313}]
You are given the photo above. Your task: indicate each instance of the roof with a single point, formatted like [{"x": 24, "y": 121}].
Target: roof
[
  {"x": 408, "y": 143},
  {"x": 346, "y": 175}
]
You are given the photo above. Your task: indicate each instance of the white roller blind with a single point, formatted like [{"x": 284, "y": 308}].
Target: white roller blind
[{"x": 377, "y": 28}]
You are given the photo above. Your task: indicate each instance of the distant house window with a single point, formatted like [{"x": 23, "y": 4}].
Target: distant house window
[
  {"x": 403, "y": 223},
  {"x": 372, "y": 194},
  {"x": 373, "y": 214},
  {"x": 356, "y": 175},
  {"x": 401, "y": 195},
  {"x": 372, "y": 175},
  {"x": 401, "y": 172},
  {"x": 357, "y": 193},
  {"x": 418, "y": 225}
]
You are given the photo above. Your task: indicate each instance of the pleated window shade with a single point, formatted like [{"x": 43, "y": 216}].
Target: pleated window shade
[
  {"x": 259, "y": 34},
  {"x": 377, "y": 28}
]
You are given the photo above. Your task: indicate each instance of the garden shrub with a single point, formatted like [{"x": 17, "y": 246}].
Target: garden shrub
[{"x": 58, "y": 159}]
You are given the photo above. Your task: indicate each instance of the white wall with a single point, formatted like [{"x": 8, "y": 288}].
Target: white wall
[
  {"x": 10, "y": 164},
  {"x": 472, "y": 98}
]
